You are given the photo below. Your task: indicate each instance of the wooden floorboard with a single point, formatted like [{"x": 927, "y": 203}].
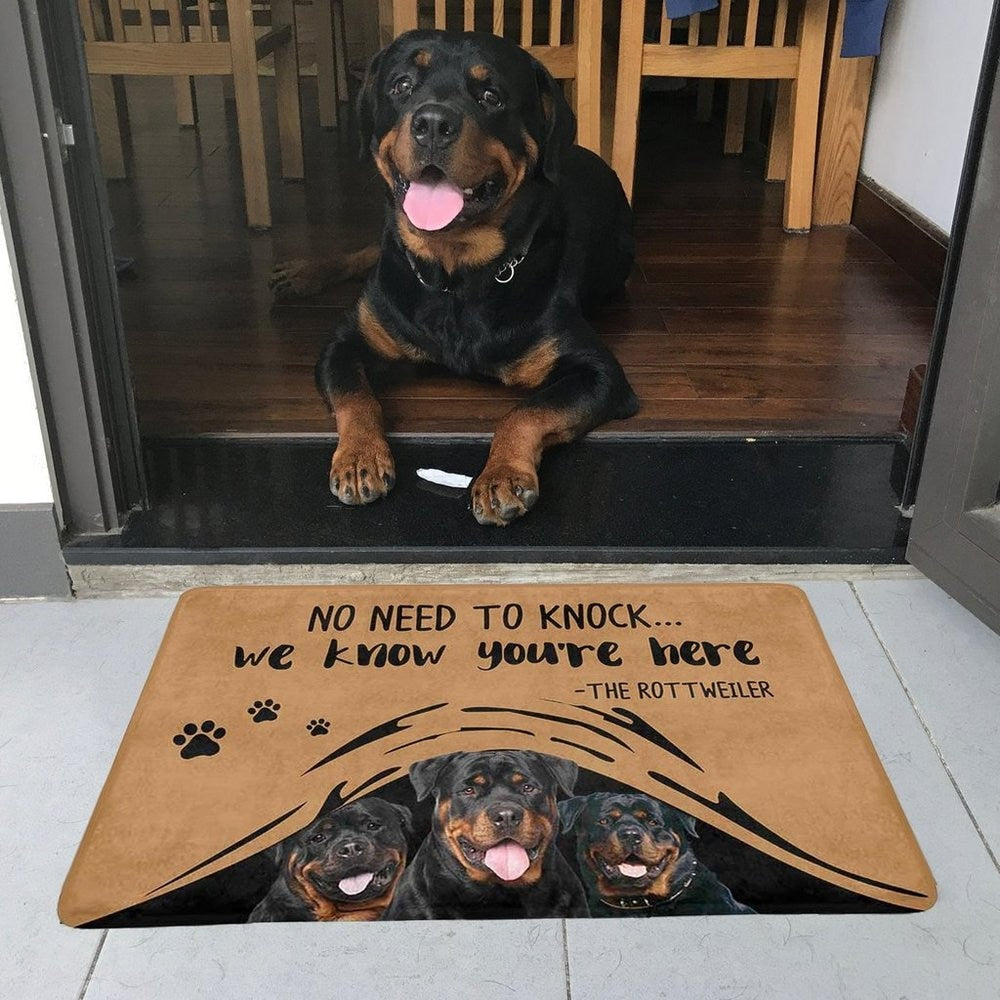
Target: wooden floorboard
[{"x": 729, "y": 326}]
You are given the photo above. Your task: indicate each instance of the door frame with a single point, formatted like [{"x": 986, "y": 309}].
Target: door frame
[
  {"x": 955, "y": 536},
  {"x": 58, "y": 211}
]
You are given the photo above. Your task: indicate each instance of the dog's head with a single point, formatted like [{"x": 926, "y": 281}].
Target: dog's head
[
  {"x": 496, "y": 811},
  {"x": 629, "y": 844},
  {"x": 350, "y": 857},
  {"x": 456, "y": 122}
]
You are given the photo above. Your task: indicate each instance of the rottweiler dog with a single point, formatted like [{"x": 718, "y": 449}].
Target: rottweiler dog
[
  {"x": 491, "y": 852},
  {"x": 636, "y": 859},
  {"x": 500, "y": 235},
  {"x": 344, "y": 866}
]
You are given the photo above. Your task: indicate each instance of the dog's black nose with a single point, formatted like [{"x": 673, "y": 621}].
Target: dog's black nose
[
  {"x": 351, "y": 849},
  {"x": 434, "y": 126},
  {"x": 630, "y": 835},
  {"x": 506, "y": 817}
]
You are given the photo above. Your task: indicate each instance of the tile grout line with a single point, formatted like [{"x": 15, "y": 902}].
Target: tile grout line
[
  {"x": 93, "y": 965},
  {"x": 569, "y": 988},
  {"x": 926, "y": 728}
]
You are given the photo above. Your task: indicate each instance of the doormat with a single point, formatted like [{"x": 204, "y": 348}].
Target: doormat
[{"x": 362, "y": 753}]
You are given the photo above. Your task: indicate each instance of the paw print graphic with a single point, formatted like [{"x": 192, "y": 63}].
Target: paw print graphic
[
  {"x": 318, "y": 727},
  {"x": 264, "y": 711},
  {"x": 203, "y": 743}
]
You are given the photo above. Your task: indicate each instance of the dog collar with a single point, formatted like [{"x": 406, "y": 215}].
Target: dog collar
[
  {"x": 504, "y": 274},
  {"x": 648, "y": 902}
]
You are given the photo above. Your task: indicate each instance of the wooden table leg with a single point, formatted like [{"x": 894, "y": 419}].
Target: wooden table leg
[
  {"x": 250, "y": 123},
  {"x": 841, "y": 131},
  {"x": 326, "y": 76},
  {"x": 286, "y": 86}
]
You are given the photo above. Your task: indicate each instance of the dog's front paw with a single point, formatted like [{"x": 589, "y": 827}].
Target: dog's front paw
[
  {"x": 502, "y": 493},
  {"x": 362, "y": 471},
  {"x": 297, "y": 279}
]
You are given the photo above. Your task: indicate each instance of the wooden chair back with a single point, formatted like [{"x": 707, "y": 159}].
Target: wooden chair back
[
  {"x": 780, "y": 40},
  {"x": 564, "y": 37}
]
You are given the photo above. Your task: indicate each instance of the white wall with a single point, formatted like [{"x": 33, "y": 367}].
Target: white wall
[
  {"x": 922, "y": 102},
  {"x": 24, "y": 468}
]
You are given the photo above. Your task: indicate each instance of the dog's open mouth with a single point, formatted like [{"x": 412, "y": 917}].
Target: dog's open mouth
[
  {"x": 370, "y": 883},
  {"x": 508, "y": 860},
  {"x": 433, "y": 202},
  {"x": 632, "y": 870}
]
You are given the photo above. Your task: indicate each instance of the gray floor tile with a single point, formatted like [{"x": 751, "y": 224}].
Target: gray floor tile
[
  {"x": 70, "y": 674},
  {"x": 463, "y": 960},
  {"x": 950, "y": 664},
  {"x": 952, "y": 950}
]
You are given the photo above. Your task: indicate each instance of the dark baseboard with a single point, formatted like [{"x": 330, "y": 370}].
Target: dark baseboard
[
  {"x": 31, "y": 560},
  {"x": 913, "y": 243}
]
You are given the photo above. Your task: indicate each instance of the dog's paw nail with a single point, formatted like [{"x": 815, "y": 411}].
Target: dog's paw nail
[
  {"x": 518, "y": 491},
  {"x": 366, "y": 491},
  {"x": 363, "y": 474}
]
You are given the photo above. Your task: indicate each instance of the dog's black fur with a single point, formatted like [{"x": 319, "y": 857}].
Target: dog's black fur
[
  {"x": 369, "y": 835},
  {"x": 481, "y": 800},
  {"x": 639, "y": 831},
  {"x": 481, "y": 112}
]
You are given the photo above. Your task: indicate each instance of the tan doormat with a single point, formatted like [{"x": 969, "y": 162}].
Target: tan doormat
[{"x": 361, "y": 753}]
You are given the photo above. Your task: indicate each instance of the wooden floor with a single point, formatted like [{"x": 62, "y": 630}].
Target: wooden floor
[{"x": 730, "y": 325}]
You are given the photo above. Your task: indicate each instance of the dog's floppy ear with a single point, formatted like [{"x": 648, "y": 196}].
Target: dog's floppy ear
[
  {"x": 405, "y": 817},
  {"x": 425, "y": 773},
  {"x": 570, "y": 809},
  {"x": 560, "y": 122},
  {"x": 564, "y": 771},
  {"x": 687, "y": 823},
  {"x": 367, "y": 98}
]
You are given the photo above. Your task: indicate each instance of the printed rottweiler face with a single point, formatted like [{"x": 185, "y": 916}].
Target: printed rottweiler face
[
  {"x": 456, "y": 121},
  {"x": 496, "y": 811},
  {"x": 631, "y": 844},
  {"x": 353, "y": 855}
]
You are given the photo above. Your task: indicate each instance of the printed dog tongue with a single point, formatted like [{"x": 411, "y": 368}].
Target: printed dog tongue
[
  {"x": 507, "y": 860},
  {"x": 354, "y": 884},
  {"x": 432, "y": 205},
  {"x": 632, "y": 871}
]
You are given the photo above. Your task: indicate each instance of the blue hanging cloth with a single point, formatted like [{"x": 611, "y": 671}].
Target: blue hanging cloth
[
  {"x": 863, "y": 22},
  {"x": 685, "y": 8}
]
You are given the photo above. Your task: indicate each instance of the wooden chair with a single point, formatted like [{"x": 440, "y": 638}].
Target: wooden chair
[
  {"x": 110, "y": 53},
  {"x": 578, "y": 61},
  {"x": 798, "y": 66}
]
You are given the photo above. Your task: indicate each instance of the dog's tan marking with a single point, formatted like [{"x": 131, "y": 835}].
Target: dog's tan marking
[
  {"x": 533, "y": 367},
  {"x": 422, "y": 57},
  {"x": 479, "y": 72},
  {"x": 380, "y": 340}
]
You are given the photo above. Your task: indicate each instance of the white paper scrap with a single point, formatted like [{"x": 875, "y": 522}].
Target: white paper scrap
[{"x": 455, "y": 479}]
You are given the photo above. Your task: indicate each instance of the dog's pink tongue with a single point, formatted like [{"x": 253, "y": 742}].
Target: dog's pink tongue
[
  {"x": 433, "y": 204},
  {"x": 354, "y": 884},
  {"x": 507, "y": 860}
]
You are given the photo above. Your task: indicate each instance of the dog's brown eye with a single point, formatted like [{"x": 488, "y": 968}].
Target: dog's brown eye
[
  {"x": 317, "y": 838},
  {"x": 401, "y": 87},
  {"x": 604, "y": 821},
  {"x": 468, "y": 790},
  {"x": 491, "y": 99},
  {"x": 528, "y": 789},
  {"x": 374, "y": 825}
]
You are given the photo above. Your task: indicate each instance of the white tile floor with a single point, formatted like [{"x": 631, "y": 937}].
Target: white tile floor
[{"x": 924, "y": 673}]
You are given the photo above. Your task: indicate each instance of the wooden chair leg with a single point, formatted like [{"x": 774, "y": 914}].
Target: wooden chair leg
[
  {"x": 841, "y": 131},
  {"x": 326, "y": 75},
  {"x": 706, "y": 95},
  {"x": 777, "y": 153},
  {"x": 736, "y": 116},
  {"x": 628, "y": 92},
  {"x": 804, "y": 117},
  {"x": 250, "y": 122},
  {"x": 109, "y": 135},
  {"x": 183, "y": 85},
  {"x": 340, "y": 51},
  {"x": 286, "y": 87},
  {"x": 588, "y": 26}
]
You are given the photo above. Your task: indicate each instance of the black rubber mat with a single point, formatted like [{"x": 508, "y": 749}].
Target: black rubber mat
[{"x": 603, "y": 499}]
